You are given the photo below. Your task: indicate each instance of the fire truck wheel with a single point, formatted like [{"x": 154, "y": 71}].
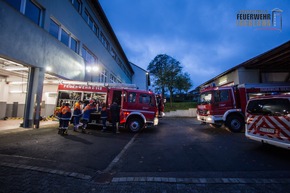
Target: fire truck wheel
[
  {"x": 135, "y": 125},
  {"x": 235, "y": 123}
]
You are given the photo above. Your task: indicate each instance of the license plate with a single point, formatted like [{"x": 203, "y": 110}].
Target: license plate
[
  {"x": 267, "y": 130},
  {"x": 201, "y": 106}
]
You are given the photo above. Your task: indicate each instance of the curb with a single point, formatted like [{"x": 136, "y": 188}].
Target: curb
[{"x": 203, "y": 180}]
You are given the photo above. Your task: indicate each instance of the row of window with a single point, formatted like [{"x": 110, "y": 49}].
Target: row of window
[
  {"x": 113, "y": 79},
  {"x": 29, "y": 8},
  {"x": 94, "y": 27},
  {"x": 35, "y": 12},
  {"x": 63, "y": 35},
  {"x": 92, "y": 24}
]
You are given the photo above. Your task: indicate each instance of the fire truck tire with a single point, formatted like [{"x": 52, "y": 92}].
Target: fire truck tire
[
  {"x": 235, "y": 123},
  {"x": 135, "y": 124}
]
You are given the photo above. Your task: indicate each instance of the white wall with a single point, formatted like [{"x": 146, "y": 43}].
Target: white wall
[
  {"x": 4, "y": 91},
  {"x": 248, "y": 75},
  {"x": 49, "y": 94},
  {"x": 139, "y": 77},
  {"x": 239, "y": 76}
]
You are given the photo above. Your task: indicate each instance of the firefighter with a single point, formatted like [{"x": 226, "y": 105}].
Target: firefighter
[
  {"x": 104, "y": 116},
  {"x": 90, "y": 108},
  {"x": 115, "y": 116},
  {"x": 65, "y": 116},
  {"x": 76, "y": 115},
  {"x": 59, "y": 114}
]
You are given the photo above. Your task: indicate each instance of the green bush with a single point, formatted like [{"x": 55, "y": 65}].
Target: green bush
[{"x": 179, "y": 106}]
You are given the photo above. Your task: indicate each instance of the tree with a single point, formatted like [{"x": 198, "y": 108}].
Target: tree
[
  {"x": 156, "y": 68},
  {"x": 166, "y": 70},
  {"x": 183, "y": 83}
]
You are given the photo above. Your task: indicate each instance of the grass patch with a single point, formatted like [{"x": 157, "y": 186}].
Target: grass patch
[{"x": 179, "y": 106}]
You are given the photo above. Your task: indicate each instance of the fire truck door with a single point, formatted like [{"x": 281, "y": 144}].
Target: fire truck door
[
  {"x": 222, "y": 101},
  {"x": 117, "y": 96}
]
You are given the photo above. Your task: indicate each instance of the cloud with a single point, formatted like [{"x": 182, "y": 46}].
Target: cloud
[
  {"x": 198, "y": 59},
  {"x": 202, "y": 35}
]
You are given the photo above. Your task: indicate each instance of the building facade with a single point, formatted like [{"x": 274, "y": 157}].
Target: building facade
[
  {"x": 47, "y": 41},
  {"x": 269, "y": 67},
  {"x": 141, "y": 77}
]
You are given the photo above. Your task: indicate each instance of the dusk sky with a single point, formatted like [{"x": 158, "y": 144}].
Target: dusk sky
[{"x": 202, "y": 35}]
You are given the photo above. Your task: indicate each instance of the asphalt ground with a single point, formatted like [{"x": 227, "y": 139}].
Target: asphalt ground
[{"x": 40, "y": 160}]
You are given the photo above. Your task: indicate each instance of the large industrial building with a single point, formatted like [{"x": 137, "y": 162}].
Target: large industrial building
[
  {"x": 45, "y": 42},
  {"x": 272, "y": 66}
]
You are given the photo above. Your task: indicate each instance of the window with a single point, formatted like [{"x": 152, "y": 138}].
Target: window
[
  {"x": 74, "y": 45},
  {"x": 145, "y": 99},
  {"x": 90, "y": 61},
  {"x": 29, "y": 8},
  {"x": 113, "y": 53},
  {"x": 205, "y": 98},
  {"x": 274, "y": 107},
  {"x": 88, "y": 56},
  {"x": 113, "y": 79},
  {"x": 53, "y": 29},
  {"x": 103, "y": 76},
  {"x": 221, "y": 95},
  {"x": 64, "y": 37},
  {"x": 96, "y": 29},
  {"x": 90, "y": 21},
  {"x": 105, "y": 41},
  {"x": 57, "y": 31},
  {"x": 119, "y": 62},
  {"x": 33, "y": 12},
  {"x": 77, "y": 5},
  {"x": 86, "y": 17},
  {"x": 132, "y": 97}
]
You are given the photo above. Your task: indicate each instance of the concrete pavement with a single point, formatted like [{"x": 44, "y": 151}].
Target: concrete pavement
[
  {"x": 11, "y": 125},
  {"x": 17, "y": 177},
  {"x": 19, "y": 180}
]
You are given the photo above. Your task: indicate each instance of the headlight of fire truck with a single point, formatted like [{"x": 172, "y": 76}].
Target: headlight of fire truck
[{"x": 209, "y": 119}]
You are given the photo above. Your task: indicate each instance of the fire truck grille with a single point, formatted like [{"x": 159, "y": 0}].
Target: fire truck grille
[{"x": 202, "y": 112}]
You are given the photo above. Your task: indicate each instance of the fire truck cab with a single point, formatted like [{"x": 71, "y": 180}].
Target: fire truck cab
[
  {"x": 226, "y": 105},
  {"x": 138, "y": 108}
]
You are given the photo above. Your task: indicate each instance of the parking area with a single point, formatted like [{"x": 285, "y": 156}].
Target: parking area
[{"x": 177, "y": 156}]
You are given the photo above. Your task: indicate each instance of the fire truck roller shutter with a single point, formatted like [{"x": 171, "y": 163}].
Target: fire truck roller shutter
[
  {"x": 135, "y": 123},
  {"x": 235, "y": 122}
]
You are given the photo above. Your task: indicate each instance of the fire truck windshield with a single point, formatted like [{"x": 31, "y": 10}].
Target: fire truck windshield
[{"x": 205, "y": 98}]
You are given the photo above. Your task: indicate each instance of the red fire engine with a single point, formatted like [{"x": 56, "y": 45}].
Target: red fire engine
[
  {"x": 138, "y": 108},
  {"x": 226, "y": 105}
]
